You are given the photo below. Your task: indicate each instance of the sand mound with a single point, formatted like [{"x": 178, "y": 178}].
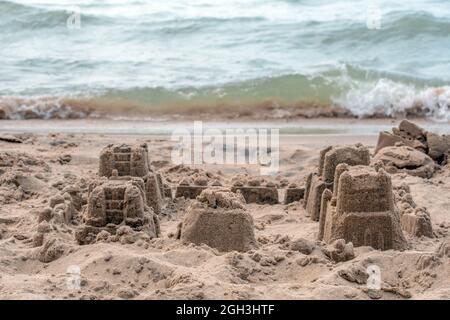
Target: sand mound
[
  {"x": 411, "y": 135},
  {"x": 22, "y": 176},
  {"x": 51, "y": 250},
  {"x": 406, "y": 159},
  {"x": 339, "y": 251}
]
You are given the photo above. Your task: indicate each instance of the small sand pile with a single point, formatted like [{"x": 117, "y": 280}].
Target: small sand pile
[
  {"x": 302, "y": 245},
  {"x": 22, "y": 176},
  {"x": 437, "y": 147},
  {"x": 339, "y": 251},
  {"x": 176, "y": 174},
  {"x": 406, "y": 159},
  {"x": 51, "y": 250},
  {"x": 218, "y": 218}
]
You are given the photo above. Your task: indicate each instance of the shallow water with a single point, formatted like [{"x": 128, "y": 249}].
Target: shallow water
[{"x": 378, "y": 57}]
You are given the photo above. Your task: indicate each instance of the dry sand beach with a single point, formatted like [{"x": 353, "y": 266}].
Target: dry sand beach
[{"x": 47, "y": 167}]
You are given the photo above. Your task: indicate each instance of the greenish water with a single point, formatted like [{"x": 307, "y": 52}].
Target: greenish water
[{"x": 370, "y": 57}]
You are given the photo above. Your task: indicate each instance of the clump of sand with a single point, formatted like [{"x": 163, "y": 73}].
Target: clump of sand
[{"x": 406, "y": 159}]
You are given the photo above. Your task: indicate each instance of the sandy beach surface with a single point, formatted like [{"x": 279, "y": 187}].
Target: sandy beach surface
[{"x": 54, "y": 155}]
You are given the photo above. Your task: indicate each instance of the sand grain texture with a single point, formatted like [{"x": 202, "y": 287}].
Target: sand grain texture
[{"x": 38, "y": 248}]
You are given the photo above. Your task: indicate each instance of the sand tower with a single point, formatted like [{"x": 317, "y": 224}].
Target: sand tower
[
  {"x": 361, "y": 209},
  {"x": 330, "y": 157},
  {"x": 132, "y": 161}
]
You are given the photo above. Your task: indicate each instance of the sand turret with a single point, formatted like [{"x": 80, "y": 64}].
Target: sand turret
[
  {"x": 361, "y": 209},
  {"x": 330, "y": 158},
  {"x": 125, "y": 161}
]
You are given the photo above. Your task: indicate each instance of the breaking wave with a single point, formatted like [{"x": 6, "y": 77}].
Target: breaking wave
[
  {"x": 246, "y": 57},
  {"x": 284, "y": 96}
]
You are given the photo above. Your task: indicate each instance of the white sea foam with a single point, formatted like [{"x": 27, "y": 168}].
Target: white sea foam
[
  {"x": 18, "y": 108},
  {"x": 390, "y": 98}
]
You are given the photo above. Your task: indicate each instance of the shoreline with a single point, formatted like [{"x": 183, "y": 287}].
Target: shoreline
[
  {"x": 117, "y": 108},
  {"x": 316, "y": 126}
]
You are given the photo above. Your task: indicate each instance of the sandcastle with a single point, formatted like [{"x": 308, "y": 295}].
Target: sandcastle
[
  {"x": 132, "y": 161},
  {"x": 254, "y": 192},
  {"x": 191, "y": 189},
  {"x": 293, "y": 193},
  {"x": 361, "y": 209},
  {"x": 116, "y": 202},
  {"x": 188, "y": 191},
  {"x": 218, "y": 219},
  {"x": 330, "y": 158},
  {"x": 128, "y": 193}
]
